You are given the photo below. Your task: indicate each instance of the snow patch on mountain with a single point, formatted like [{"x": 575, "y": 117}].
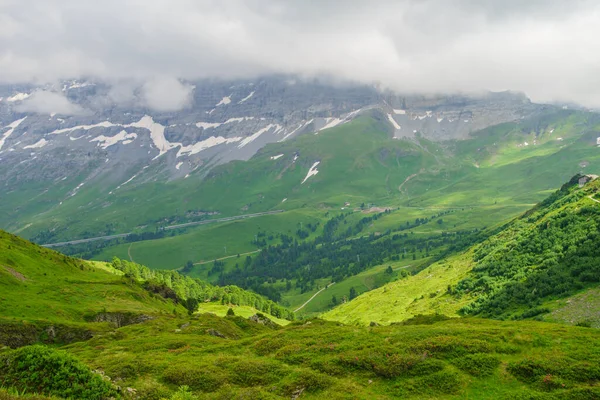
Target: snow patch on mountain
[
  {"x": 276, "y": 157},
  {"x": 208, "y": 125},
  {"x": 253, "y": 137},
  {"x": 38, "y": 145},
  {"x": 179, "y": 164},
  {"x": 331, "y": 123},
  {"x": 401, "y": 112},
  {"x": 393, "y": 122},
  {"x": 205, "y": 144},
  {"x": 12, "y": 126},
  {"x": 107, "y": 141},
  {"x": 18, "y": 97},
  {"x": 157, "y": 134},
  {"x": 104, "y": 124},
  {"x": 312, "y": 171},
  {"x": 224, "y": 101},
  {"x": 246, "y": 98}
]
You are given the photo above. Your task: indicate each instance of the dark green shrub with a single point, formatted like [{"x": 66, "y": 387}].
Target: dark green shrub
[
  {"x": 197, "y": 377},
  {"x": 529, "y": 370},
  {"x": 479, "y": 364},
  {"x": 268, "y": 345},
  {"x": 447, "y": 382},
  {"x": 255, "y": 372},
  {"x": 307, "y": 381},
  {"x": 42, "y": 370},
  {"x": 392, "y": 365}
]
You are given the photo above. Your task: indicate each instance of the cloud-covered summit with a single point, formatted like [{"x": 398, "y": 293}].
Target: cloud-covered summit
[{"x": 544, "y": 48}]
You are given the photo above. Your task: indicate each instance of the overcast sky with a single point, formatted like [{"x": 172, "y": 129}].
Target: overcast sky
[{"x": 547, "y": 48}]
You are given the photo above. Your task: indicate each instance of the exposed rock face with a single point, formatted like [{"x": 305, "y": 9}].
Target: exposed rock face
[
  {"x": 18, "y": 334},
  {"x": 111, "y": 147},
  {"x": 119, "y": 319},
  {"x": 227, "y": 121},
  {"x": 263, "y": 320}
]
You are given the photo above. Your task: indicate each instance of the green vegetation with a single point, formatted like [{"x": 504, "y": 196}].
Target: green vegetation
[
  {"x": 547, "y": 254},
  {"x": 456, "y": 358},
  {"x": 191, "y": 291},
  {"x": 42, "y": 370}
]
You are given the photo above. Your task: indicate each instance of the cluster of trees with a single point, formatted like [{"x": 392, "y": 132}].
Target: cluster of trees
[
  {"x": 190, "y": 291},
  {"x": 552, "y": 251},
  {"x": 332, "y": 255}
]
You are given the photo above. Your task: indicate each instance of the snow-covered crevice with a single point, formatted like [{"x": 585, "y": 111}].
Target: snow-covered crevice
[
  {"x": 38, "y": 145},
  {"x": 224, "y": 101},
  {"x": 205, "y": 144},
  {"x": 301, "y": 126},
  {"x": 393, "y": 122},
  {"x": 276, "y": 157},
  {"x": 253, "y": 137},
  {"x": 333, "y": 122},
  {"x": 157, "y": 134},
  {"x": 330, "y": 123},
  {"x": 246, "y": 98},
  {"x": 208, "y": 125},
  {"x": 107, "y": 141},
  {"x": 179, "y": 164},
  {"x": 11, "y": 128},
  {"x": 104, "y": 124},
  {"x": 401, "y": 112},
  {"x": 312, "y": 171},
  {"x": 17, "y": 97}
]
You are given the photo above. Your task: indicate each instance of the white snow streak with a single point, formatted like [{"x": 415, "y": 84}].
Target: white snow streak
[
  {"x": 250, "y": 139},
  {"x": 401, "y": 112},
  {"x": 276, "y": 157},
  {"x": 312, "y": 171},
  {"x": 105, "y": 124},
  {"x": 205, "y": 144},
  {"x": 179, "y": 164},
  {"x": 330, "y": 123},
  {"x": 18, "y": 97},
  {"x": 12, "y": 126},
  {"x": 224, "y": 101},
  {"x": 41, "y": 143},
  {"x": 208, "y": 125},
  {"x": 393, "y": 122},
  {"x": 246, "y": 98},
  {"x": 107, "y": 141},
  {"x": 157, "y": 134}
]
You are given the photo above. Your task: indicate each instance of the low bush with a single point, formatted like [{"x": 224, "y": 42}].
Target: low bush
[
  {"x": 479, "y": 364},
  {"x": 197, "y": 377},
  {"x": 38, "y": 369}
]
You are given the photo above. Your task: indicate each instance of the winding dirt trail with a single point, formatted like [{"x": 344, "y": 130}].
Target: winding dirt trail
[
  {"x": 406, "y": 180},
  {"x": 129, "y": 252},
  {"x": 313, "y": 296}
]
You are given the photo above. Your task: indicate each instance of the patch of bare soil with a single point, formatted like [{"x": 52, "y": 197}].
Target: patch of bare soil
[{"x": 16, "y": 274}]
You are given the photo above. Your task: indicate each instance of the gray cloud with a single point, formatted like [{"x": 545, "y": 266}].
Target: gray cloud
[
  {"x": 45, "y": 102},
  {"x": 545, "y": 48},
  {"x": 166, "y": 94}
]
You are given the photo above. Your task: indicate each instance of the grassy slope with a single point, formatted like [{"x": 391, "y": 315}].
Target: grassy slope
[
  {"x": 467, "y": 358},
  {"x": 360, "y": 163},
  {"x": 427, "y": 292},
  {"x": 40, "y": 284},
  {"x": 236, "y": 358}
]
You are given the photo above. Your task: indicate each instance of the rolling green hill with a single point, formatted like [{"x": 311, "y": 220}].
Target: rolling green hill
[
  {"x": 51, "y": 297},
  {"x": 528, "y": 269},
  {"x": 426, "y": 188},
  {"x": 145, "y": 345}
]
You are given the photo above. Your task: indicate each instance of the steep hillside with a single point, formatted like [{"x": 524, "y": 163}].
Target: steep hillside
[
  {"x": 55, "y": 298},
  {"x": 548, "y": 253},
  {"x": 362, "y": 160},
  {"x": 147, "y": 347}
]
